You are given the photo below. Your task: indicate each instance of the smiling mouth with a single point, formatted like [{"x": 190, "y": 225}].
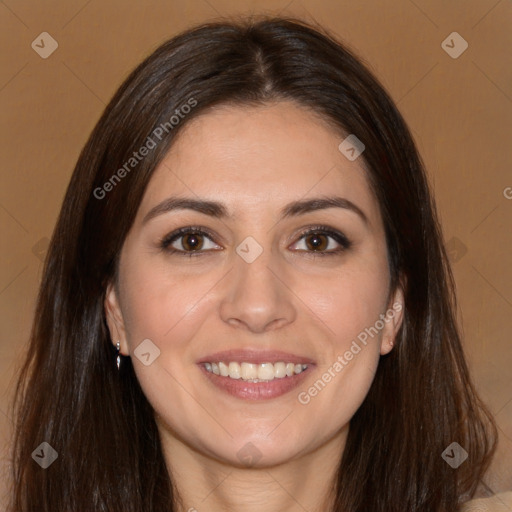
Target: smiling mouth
[
  {"x": 254, "y": 374},
  {"x": 251, "y": 372}
]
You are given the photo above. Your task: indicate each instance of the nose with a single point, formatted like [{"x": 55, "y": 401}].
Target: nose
[{"x": 257, "y": 297}]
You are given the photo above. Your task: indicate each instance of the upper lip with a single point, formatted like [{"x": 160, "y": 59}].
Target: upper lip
[{"x": 255, "y": 356}]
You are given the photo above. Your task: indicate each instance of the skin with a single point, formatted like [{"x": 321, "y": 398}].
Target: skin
[{"x": 255, "y": 160}]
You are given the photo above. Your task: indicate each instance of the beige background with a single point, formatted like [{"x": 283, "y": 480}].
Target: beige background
[{"x": 458, "y": 109}]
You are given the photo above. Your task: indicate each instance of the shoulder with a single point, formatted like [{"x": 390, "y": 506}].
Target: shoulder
[{"x": 501, "y": 502}]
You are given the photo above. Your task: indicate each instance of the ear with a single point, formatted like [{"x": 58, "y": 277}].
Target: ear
[
  {"x": 115, "y": 319},
  {"x": 392, "y": 319}
]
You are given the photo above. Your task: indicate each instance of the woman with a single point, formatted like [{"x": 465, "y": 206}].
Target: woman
[{"x": 246, "y": 301}]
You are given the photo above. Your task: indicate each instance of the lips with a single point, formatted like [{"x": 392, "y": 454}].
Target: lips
[
  {"x": 255, "y": 356},
  {"x": 268, "y": 384}
]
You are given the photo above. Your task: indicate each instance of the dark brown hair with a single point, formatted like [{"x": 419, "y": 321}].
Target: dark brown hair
[{"x": 69, "y": 392}]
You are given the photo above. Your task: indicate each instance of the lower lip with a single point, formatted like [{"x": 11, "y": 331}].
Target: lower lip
[{"x": 240, "y": 388}]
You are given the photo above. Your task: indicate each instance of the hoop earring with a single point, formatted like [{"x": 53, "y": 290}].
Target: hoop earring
[{"x": 118, "y": 357}]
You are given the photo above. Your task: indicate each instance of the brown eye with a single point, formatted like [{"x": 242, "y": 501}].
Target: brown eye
[
  {"x": 192, "y": 243},
  {"x": 319, "y": 241}
]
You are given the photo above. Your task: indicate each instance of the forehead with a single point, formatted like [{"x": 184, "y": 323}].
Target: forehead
[{"x": 259, "y": 157}]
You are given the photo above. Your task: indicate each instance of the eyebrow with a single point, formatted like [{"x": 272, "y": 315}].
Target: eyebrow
[{"x": 219, "y": 210}]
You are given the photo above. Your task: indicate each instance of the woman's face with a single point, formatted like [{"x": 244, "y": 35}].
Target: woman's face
[{"x": 255, "y": 288}]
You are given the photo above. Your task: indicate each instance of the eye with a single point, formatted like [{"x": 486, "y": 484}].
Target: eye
[
  {"x": 318, "y": 239},
  {"x": 192, "y": 241}
]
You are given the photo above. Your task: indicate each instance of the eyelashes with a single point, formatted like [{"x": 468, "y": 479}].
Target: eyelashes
[
  {"x": 192, "y": 236},
  {"x": 196, "y": 231}
]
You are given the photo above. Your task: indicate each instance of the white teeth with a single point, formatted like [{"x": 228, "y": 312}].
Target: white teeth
[
  {"x": 280, "y": 370},
  {"x": 249, "y": 371},
  {"x": 266, "y": 371},
  {"x": 255, "y": 372},
  {"x": 223, "y": 369},
  {"x": 234, "y": 370}
]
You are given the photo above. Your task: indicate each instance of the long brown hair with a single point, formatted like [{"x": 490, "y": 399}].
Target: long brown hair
[{"x": 69, "y": 393}]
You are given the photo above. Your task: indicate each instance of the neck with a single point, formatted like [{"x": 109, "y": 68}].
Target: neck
[{"x": 206, "y": 483}]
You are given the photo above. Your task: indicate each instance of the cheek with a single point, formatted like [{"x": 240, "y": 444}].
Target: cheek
[
  {"x": 349, "y": 306},
  {"x": 348, "y": 302},
  {"x": 170, "y": 310},
  {"x": 165, "y": 306}
]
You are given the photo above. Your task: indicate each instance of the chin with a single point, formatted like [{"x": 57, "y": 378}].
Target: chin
[{"x": 262, "y": 452}]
